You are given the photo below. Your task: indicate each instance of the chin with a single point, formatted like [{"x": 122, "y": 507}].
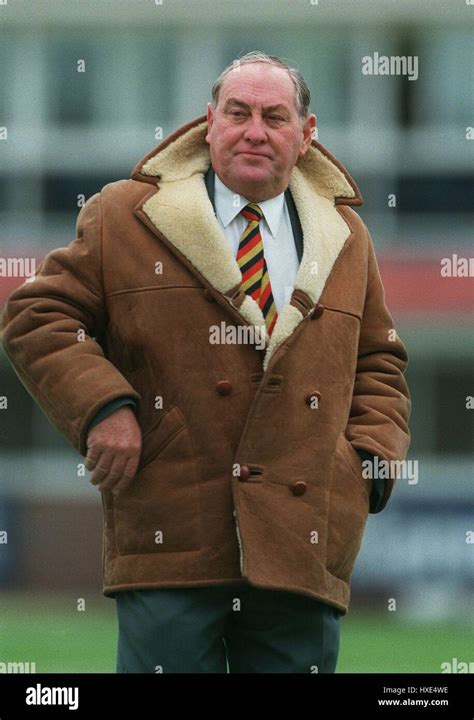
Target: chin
[{"x": 252, "y": 175}]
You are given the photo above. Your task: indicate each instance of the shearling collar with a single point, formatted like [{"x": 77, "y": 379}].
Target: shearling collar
[{"x": 181, "y": 211}]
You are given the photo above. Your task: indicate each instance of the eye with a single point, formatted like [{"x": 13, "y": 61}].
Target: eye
[
  {"x": 275, "y": 117},
  {"x": 235, "y": 113}
]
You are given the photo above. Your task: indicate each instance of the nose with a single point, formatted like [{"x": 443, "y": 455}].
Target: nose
[{"x": 255, "y": 130}]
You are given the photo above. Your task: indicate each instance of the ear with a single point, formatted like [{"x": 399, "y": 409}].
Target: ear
[
  {"x": 308, "y": 129},
  {"x": 210, "y": 120}
]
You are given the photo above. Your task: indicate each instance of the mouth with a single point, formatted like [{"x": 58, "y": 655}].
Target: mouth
[{"x": 253, "y": 154}]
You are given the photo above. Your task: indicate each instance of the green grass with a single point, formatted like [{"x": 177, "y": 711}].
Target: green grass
[
  {"x": 53, "y": 633},
  {"x": 57, "y": 636},
  {"x": 381, "y": 643}
]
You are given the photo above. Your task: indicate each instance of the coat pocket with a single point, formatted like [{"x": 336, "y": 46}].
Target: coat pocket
[
  {"x": 348, "y": 510},
  {"x": 161, "y": 510}
]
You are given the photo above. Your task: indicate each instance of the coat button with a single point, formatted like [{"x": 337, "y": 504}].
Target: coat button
[
  {"x": 299, "y": 487},
  {"x": 317, "y": 312},
  {"x": 310, "y": 398},
  {"x": 223, "y": 387},
  {"x": 244, "y": 472},
  {"x": 208, "y": 295}
]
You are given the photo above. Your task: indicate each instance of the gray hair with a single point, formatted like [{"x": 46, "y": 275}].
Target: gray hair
[{"x": 302, "y": 95}]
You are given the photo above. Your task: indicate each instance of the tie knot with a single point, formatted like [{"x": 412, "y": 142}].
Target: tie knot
[{"x": 252, "y": 211}]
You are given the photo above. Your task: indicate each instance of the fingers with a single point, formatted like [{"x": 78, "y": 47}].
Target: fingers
[
  {"x": 92, "y": 458},
  {"x": 127, "y": 476},
  {"x": 112, "y": 472},
  {"x": 102, "y": 465}
]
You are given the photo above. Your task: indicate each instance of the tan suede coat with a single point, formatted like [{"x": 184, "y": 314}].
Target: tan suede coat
[{"x": 249, "y": 466}]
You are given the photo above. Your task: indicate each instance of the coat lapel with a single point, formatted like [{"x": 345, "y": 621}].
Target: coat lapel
[{"x": 182, "y": 211}]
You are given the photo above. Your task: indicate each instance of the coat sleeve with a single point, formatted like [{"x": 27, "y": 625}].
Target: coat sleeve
[
  {"x": 49, "y": 333},
  {"x": 108, "y": 409},
  {"x": 381, "y": 402}
]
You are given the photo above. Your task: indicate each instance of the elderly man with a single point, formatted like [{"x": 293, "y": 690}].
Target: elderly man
[{"x": 216, "y": 342}]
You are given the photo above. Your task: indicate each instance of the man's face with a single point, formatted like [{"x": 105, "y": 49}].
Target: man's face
[{"x": 255, "y": 134}]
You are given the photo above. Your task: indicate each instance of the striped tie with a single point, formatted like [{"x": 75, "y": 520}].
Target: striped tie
[{"x": 253, "y": 266}]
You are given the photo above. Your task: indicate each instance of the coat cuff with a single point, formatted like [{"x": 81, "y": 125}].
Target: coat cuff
[{"x": 109, "y": 408}]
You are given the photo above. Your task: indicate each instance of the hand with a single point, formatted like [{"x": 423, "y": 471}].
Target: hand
[{"x": 113, "y": 450}]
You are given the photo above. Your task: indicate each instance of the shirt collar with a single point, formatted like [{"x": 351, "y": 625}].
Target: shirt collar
[{"x": 227, "y": 210}]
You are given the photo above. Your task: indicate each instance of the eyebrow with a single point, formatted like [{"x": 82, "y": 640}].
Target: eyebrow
[{"x": 240, "y": 103}]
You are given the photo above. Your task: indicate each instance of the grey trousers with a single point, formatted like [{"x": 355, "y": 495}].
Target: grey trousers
[{"x": 225, "y": 629}]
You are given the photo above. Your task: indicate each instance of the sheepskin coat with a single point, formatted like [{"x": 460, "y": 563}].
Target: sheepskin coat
[{"x": 250, "y": 468}]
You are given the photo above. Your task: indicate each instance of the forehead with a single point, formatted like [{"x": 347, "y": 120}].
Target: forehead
[{"x": 259, "y": 83}]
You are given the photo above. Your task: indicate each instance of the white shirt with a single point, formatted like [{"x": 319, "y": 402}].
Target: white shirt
[{"x": 277, "y": 236}]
